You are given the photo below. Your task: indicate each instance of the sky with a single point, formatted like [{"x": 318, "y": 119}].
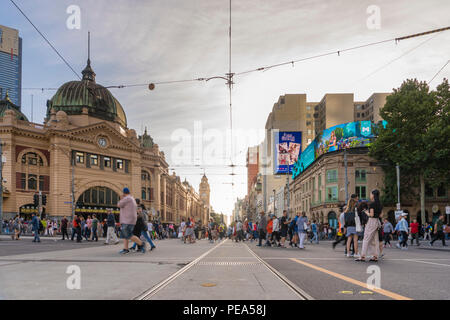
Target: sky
[{"x": 144, "y": 41}]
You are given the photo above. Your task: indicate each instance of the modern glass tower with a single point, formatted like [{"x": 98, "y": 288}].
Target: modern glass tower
[{"x": 10, "y": 64}]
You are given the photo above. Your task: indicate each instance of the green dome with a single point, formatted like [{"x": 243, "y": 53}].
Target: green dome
[{"x": 73, "y": 96}]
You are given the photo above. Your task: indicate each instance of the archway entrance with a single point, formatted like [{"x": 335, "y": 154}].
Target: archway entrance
[
  {"x": 27, "y": 210},
  {"x": 97, "y": 200},
  {"x": 332, "y": 220},
  {"x": 419, "y": 216}
]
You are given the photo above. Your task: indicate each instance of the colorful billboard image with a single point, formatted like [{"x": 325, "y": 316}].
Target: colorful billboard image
[
  {"x": 347, "y": 135},
  {"x": 287, "y": 149},
  {"x": 343, "y": 136}
]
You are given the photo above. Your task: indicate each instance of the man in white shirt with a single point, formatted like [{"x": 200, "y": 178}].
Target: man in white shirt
[{"x": 276, "y": 231}]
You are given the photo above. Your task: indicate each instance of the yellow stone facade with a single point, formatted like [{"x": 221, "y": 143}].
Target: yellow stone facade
[{"x": 103, "y": 156}]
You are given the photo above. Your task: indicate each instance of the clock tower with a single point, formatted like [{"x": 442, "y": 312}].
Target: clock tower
[{"x": 204, "y": 190}]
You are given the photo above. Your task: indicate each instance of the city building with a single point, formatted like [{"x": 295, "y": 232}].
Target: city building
[
  {"x": 11, "y": 65},
  {"x": 291, "y": 113},
  {"x": 320, "y": 189},
  {"x": 85, "y": 150},
  {"x": 337, "y": 108}
]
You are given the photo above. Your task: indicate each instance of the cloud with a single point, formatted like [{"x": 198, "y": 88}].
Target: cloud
[{"x": 148, "y": 41}]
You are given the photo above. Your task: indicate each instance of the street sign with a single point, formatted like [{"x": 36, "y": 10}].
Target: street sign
[
  {"x": 398, "y": 213},
  {"x": 398, "y": 206},
  {"x": 447, "y": 209}
]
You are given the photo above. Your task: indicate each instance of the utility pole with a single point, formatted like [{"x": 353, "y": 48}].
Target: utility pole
[
  {"x": 288, "y": 197},
  {"x": 397, "y": 167},
  {"x": 40, "y": 204},
  {"x": 346, "y": 175},
  {"x": 1, "y": 187},
  {"x": 73, "y": 188}
]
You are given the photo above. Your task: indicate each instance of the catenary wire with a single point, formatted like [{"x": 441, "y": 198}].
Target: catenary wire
[{"x": 45, "y": 38}]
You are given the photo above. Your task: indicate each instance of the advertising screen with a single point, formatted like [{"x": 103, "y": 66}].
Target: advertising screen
[
  {"x": 288, "y": 146},
  {"x": 342, "y": 136}
]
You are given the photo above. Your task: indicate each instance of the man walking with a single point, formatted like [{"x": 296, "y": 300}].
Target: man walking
[
  {"x": 94, "y": 226},
  {"x": 302, "y": 229},
  {"x": 439, "y": 231},
  {"x": 414, "y": 229},
  {"x": 64, "y": 223},
  {"x": 35, "y": 227},
  {"x": 387, "y": 230},
  {"x": 128, "y": 217},
  {"x": 284, "y": 224},
  {"x": 111, "y": 223},
  {"x": 262, "y": 225},
  {"x": 402, "y": 228}
]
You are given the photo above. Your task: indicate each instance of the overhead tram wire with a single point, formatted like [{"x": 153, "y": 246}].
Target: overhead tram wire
[
  {"x": 437, "y": 73},
  {"x": 397, "y": 58},
  {"x": 231, "y": 75},
  {"x": 45, "y": 38},
  {"x": 338, "y": 52}
]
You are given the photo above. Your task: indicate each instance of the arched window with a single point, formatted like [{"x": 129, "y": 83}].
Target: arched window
[
  {"x": 32, "y": 158},
  {"x": 98, "y": 196},
  {"x": 147, "y": 191}
]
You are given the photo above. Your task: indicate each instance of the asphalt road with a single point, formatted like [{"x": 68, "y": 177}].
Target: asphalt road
[
  {"x": 324, "y": 273},
  {"x": 225, "y": 270}
]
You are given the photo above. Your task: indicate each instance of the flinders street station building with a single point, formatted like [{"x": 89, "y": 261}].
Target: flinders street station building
[{"x": 85, "y": 150}]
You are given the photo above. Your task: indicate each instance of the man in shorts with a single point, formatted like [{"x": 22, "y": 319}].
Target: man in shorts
[{"x": 128, "y": 217}]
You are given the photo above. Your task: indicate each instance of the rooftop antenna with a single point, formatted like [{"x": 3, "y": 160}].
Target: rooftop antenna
[{"x": 89, "y": 48}]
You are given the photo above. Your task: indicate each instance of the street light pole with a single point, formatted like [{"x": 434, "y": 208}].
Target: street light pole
[
  {"x": 397, "y": 167},
  {"x": 288, "y": 202},
  {"x": 346, "y": 175},
  {"x": 1, "y": 187}
]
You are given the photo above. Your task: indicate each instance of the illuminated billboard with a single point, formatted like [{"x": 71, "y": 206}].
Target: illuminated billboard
[
  {"x": 287, "y": 147},
  {"x": 343, "y": 136}
]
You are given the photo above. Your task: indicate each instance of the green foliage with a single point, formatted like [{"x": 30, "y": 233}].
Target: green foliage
[
  {"x": 417, "y": 135},
  {"x": 339, "y": 132}
]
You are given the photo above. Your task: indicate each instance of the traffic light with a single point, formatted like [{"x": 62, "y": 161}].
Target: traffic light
[
  {"x": 44, "y": 199},
  {"x": 36, "y": 200}
]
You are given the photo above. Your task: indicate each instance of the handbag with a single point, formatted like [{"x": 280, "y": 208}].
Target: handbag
[{"x": 357, "y": 222}]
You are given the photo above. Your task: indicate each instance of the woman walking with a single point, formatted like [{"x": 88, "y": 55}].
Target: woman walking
[
  {"x": 371, "y": 239},
  {"x": 350, "y": 227}
]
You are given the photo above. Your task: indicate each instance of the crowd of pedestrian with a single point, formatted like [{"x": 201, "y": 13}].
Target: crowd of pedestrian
[{"x": 362, "y": 229}]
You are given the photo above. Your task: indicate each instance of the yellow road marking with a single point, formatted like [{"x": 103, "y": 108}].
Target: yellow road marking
[
  {"x": 386, "y": 293},
  {"x": 208, "y": 284},
  {"x": 346, "y": 292},
  {"x": 366, "y": 292}
]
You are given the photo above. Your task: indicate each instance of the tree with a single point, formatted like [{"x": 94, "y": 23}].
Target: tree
[{"x": 415, "y": 136}]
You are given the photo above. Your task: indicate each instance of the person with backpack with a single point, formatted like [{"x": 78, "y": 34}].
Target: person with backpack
[
  {"x": 262, "y": 226},
  {"x": 64, "y": 223},
  {"x": 350, "y": 229},
  {"x": 387, "y": 230},
  {"x": 293, "y": 231},
  {"x": 284, "y": 225},
  {"x": 35, "y": 222},
  {"x": 371, "y": 240},
  {"x": 111, "y": 223},
  {"x": 144, "y": 230},
  {"x": 94, "y": 226}
]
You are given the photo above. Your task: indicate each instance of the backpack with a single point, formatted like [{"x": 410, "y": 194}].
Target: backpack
[
  {"x": 41, "y": 226},
  {"x": 364, "y": 218}
]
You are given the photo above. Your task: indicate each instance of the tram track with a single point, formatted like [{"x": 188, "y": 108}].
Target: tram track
[{"x": 298, "y": 292}]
